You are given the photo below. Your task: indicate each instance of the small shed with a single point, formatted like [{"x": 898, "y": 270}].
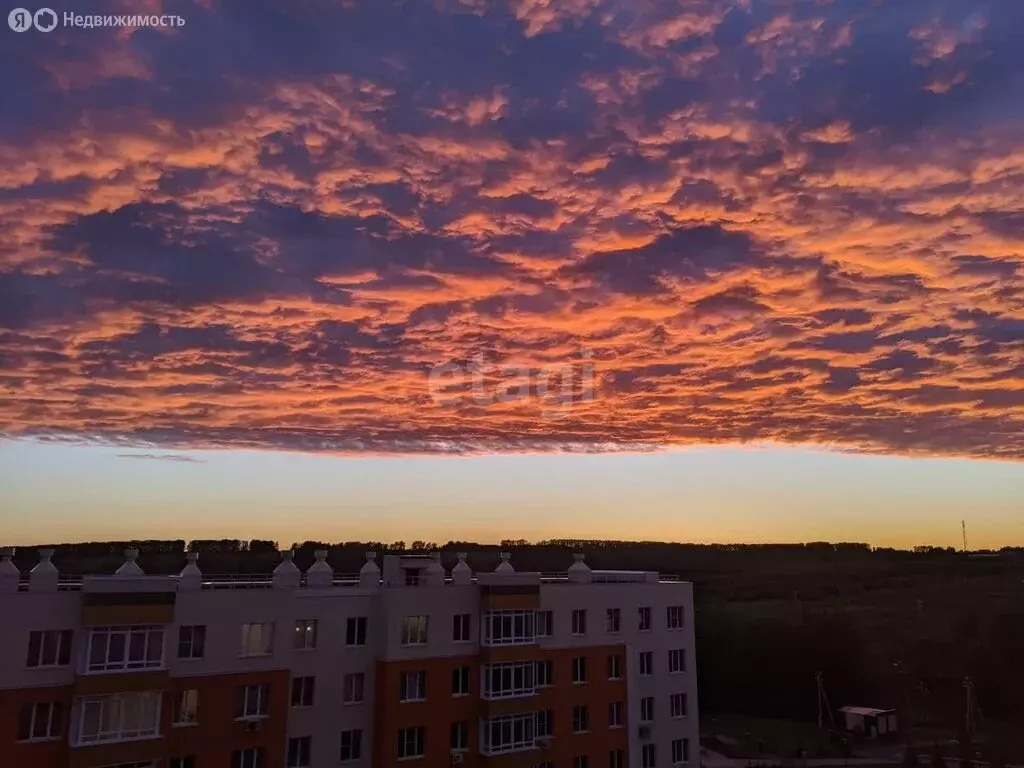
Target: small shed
[{"x": 868, "y": 721}]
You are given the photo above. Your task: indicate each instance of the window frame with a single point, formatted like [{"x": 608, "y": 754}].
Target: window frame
[
  {"x": 580, "y": 673},
  {"x": 353, "y": 688},
  {"x": 545, "y": 623},
  {"x": 356, "y": 628},
  {"x": 506, "y": 673},
  {"x": 461, "y": 681},
  {"x": 128, "y": 635},
  {"x": 415, "y": 629},
  {"x": 415, "y": 736},
  {"x": 265, "y": 637},
  {"x": 261, "y": 696},
  {"x": 117, "y": 701},
  {"x": 64, "y": 639},
  {"x": 354, "y": 746},
  {"x": 614, "y": 666},
  {"x": 579, "y": 622},
  {"x": 647, "y": 709},
  {"x": 459, "y": 728},
  {"x": 677, "y": 661},
  {"x": 616, "y": 713},
  {"x": 649, "y": 755},
  {"x": 303, "y": 691},
  {"x": 673, "y": 613},
  {"x": 257, "y": 757},
  {"x": 196, "y": 639},
  {"x": 684, "y": 751},
  {"x": 181, "y": 698},
  {"x": 643, "y": 618},
  {"x": 420, "y": 686},
  {"x": 462, "y": 628},
  {"x": 645, "y": 663},
  {"x": 296, "y": 761},
  {"x": 681, "y": 711},
  {"x": 547, "y": 679},
  {"x": 526, "y": 725},
  {"x": 305, "y": 637},
  {"x": 613, "y": 621},
  {"x": 580, "y": 718},
  {"x": 509, "y": 627},
  {"x": 54, "y": 721}
]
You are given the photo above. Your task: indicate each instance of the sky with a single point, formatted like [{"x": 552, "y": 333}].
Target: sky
[{"x": 702, "y": 270}]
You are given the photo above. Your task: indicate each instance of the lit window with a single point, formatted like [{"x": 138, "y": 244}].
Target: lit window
[
  {"x": 414, "y": 630},
  {"x": 121, "y": 717},
  {"x": 257, "y": 639},
  {"x": 186, "y": 707},
  {"x": 305, "y": 634}
]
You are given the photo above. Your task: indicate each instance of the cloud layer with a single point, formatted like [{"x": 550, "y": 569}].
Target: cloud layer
[{"x": 786, "y": 220}]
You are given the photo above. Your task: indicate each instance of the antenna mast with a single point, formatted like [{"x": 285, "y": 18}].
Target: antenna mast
[{"x": 963, "y": 530}]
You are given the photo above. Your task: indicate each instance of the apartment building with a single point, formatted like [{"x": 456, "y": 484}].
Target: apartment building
[{"x": 404, "y": 663}]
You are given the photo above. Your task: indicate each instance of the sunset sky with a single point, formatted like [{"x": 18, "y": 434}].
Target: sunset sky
[{"x": 321, "y": 269}]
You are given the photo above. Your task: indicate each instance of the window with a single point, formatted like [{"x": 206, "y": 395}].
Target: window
[
  {"x": 646, "y": 662},
  {"x": 649, "y": 756},
  {"x": 412, "y": 577},
  {"x": 305, "y": 635},
  {"x": 545, "y": 724},
  {"x": 617, "y": 758},
  {"x": 40, "y": 720},
  {"x": 411, "y": 742},
  {"x": 680, "y": 751},
  {"x": 460, "y": 681},
  {"x": 257, "y": 639},
  {"x": 414, "y": 630},
  {"x": 248, "y": 758},
  {"x": 119, "y": 717},
  {"x": 545, "y": 623},
  {"x": 508, "y": 679},
  {"x": 615, "y": 710},
  {"x": 192, "y": 641},
  {"x": 545, "y": 673},
  {"x": 615, "y": 667},
  {"x": 113, "y": 649},
  {"x": 303, "y": 691},
  {"x": 460, "y": 736},
  {"x": 351, "y": 745},
  {"x": 675, "y": 617},
  {"x": 613, "y": 620},
  {"x": 298, "y": 752},
  {"x": 352, "y": 687},
  {"x": 509, "y": 628},
  {"x": 414, "y": 686},
  {"x": 182, "y": 762},
  {"x": 677, "y": 660},
  {"x": 508, "y": 733},
  {"x": 579, "y": 621},
  {"x": 252, "y": 701},
  {"x": 186, "y": 707},
  {"x": 460, "y": 627},
  {"x": 677, "y": 705},
  {"x": 644, "y": 619},
  {"x": 355, "y": 630},
  {"x": 580, "y": 718},
  {"x": 49, "y": 648},
  {"x": 579, "y": 669},
  {"x": 580, "y": 761},
  {"x": 646, "y": 709}
]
